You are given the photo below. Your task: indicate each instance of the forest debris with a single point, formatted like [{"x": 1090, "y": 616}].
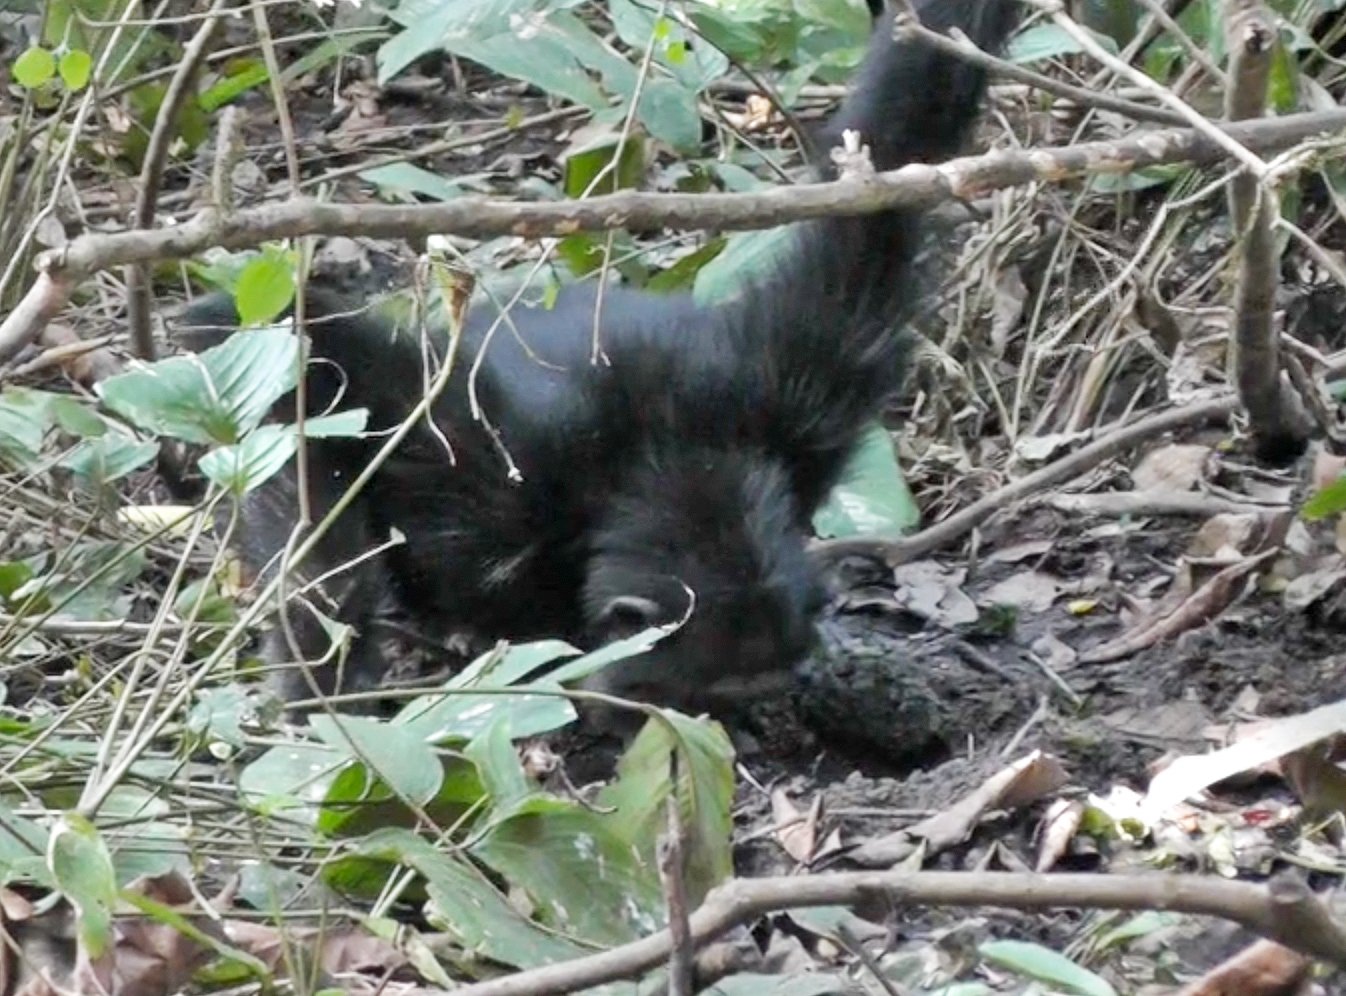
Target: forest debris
[
  {"x": 1059, "y": 825},
  {"x": 1315, "y": 773},
  {"x": 1028, "y": 591},
  {"x": 1176, "y": 467},
  {"x": 1263, "y": 968},
  {"x": 1018, "y": 784},
  {"x": 1200, "y": 607},
  {"x": 796, "y": 831},
  {"x": 934, "y": 592},
  {"x": 1190, "y": 775}
]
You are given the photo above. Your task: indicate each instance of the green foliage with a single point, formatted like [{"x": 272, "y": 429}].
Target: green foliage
[
  {"x": 872, "y": 497},
  {"x": 81, "y": 867},
  {"x": 1045, "y": 965},
  {"x": 452, "y": 755},
  {"x": 1329, "y": 501}
]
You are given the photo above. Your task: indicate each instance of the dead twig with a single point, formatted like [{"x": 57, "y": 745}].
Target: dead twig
[
  {"x": 1285, "y": 910},
  {"x": 1067, "y": 468},
  {"x": 1253, "y": 209},
  {"x": 916, "y": 186},
  {"x": 138, "y": 303}
]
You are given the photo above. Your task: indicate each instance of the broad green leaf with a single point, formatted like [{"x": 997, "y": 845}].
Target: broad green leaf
[
  {"x": 558, "y": 851},
  {"x": 872, "y": 497},
  {"x": 397, "y": 756},
  {"x": 265, "y": 288},
  {"x": 1044, "y": 41},
  {"x": 705, "y": 789},
  {"x": 76, "y": 69},
  {"x": 502, "y": 774},
  {"x": 245, "y": 466},
  {"x": 290, "y": 778},
  {"x": 681, "y": 276},
  {"x": 82, "y": 869},
  {"x": 1045, "y": 965},
  {"x": 25, "y": 417},
  {"x": 216, "y": 397},
  {"x": 747, "y": 256},
  {"x": 476, "y": 914},
  {"x": 412, "y": 179},
  {"x": 104, "y": 459},
  {"x": 353, "y": 805},
  {"x": 585, "y": 166},
  {"x": 445, "y": 716},
  {"x": 1331, "y": 500},
  {"x": 34, "y": 67}
]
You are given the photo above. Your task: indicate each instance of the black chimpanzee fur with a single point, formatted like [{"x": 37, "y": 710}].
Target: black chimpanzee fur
[{"x": 679, "y": 475}]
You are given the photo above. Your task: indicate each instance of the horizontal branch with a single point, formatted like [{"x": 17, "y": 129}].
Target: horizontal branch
[
  {"x": 1284, "y": 910},
  {"x": 914, "y": 186}
]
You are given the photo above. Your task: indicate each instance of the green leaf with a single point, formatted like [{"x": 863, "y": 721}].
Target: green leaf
[
  {"x": 76, "y": 69},
  {"x": 1331, "y": 500},
  {"x": 681, "y": 276},
  {"x": 747, "y": 256},
  {"x": 1045, "y": 41},
  {"x": 23, "y": 847},
  {"x": 872, "y": 498},
  {"x": 216, "y": 397},
  {"x": 397, "y": 756},
  {"x": 289, "y": 778},
  {"x": 556, "y": 851},
  {"x": 412, "y": 179},
  {"x": 265, "y": 288},
  {"x": 479, "y": 918},
  {"x": 585, "y": 165},
  {"x": 704, "y": 789},
  {"x": 82, "y": 868},
  {"x": 1045, "y": 965},
  {"x": 34, "y": 67},
  {"x": 100, "y": 461},
  {"x": 502, "y": 774}
]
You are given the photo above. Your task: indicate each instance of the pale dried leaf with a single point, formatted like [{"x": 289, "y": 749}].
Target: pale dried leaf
[{"x": 1177, "y": 467}]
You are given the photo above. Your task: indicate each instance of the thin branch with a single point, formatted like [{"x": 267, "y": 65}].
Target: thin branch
[
  {"x": 138, "y": 303},
  {"x": 1285, "y": 911},
  {"x": 917, "y": 186},
  {"x": 961, "y": 47},
  {"x": 1069, "y": 467},
  {"x": 1195, "y": 118}
]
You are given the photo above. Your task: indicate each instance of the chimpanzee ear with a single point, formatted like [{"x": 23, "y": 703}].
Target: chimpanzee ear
[{"x": 626, "y": 615}]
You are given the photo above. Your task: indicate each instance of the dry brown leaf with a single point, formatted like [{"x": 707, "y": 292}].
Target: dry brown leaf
[
  {"x": 1189, "y": 775},
  {"x": 1019, "y": 784},
  {"x": 1059, "y": 825},
  {"x": 1264, "y": 968},
  {"x": 795, "y": 831},
  {"x": 1177, "y": 467}
]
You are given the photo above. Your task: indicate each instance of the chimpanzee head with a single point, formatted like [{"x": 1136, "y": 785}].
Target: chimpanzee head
[{"x": 714, "y": 541}]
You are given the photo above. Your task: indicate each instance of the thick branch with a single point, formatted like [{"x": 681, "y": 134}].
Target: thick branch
[
  {"x": 915, "y": 186},
  {"x": 1283, "y": 912}
]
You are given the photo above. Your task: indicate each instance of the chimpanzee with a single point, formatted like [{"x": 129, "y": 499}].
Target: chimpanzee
[{"x": 671, "y": 481}]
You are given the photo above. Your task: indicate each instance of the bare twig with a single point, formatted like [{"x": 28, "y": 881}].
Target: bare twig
[
  {"x": 1285, "y": 911},
  {"x": 138, "y": 304},
  {"x": 956, "y": 526},
  {"x": 1255, "y": 347},
  {"x": 1236, "y": 150},
  {"x": 962, "y": 47},
  {"x": 913, "y": 186},
  {"x": 681, "y": 958}
]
